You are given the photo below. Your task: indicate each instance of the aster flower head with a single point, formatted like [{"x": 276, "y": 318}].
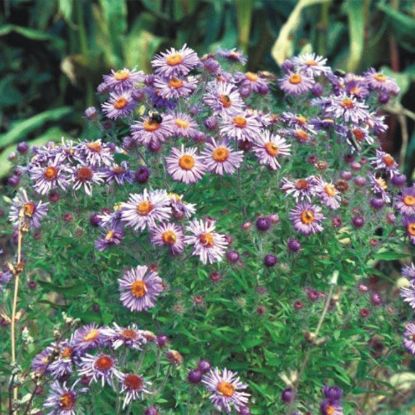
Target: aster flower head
[
  {"x": 269, "y": 148},
  {"x": 328, "y": 194},
  {"x": 130, "y": 337},
  {"x": 300, "y": 189},
  {"x": 169, "y": 235},
  {"x": 87, "y": 337},
  {"x": 153, "y": 129},
  {"x": 175, "y": 87},
  {"x": 63, "y": 364},
  {"x": 5, "y": 277},
  {"x": 140, "y": 288},
  {"x": 61, "y": 400},
  {"x": 175, "y": 63},
  {"x": 110, "y": 237},
  {"x": 330, "y": 407},
  {"x": 207, "y": 244},
  {"x": 232, "y": 55},
  {"x": 307, "y": 218},
  {"x": 184, "y": 165},
  {"x": 405, "y": 202},
  {"x": 385, "y": 161},
  {"x": 408, "y": 271},
  {"x": 250, "y": 82},
  {"x": 84, "y": 176},
  {"x": 240, "y": 126},
  {"x": 118, "y": 173},
  {"x": 379, "y": 187},
  {"x": 100, "y": 368},
  {"x": 296, "y": 83},
  {"x": 27, "y": 212},
  {"x": 184, "y": 125},
  {"x": 94, "y": 153},
  {"x": 181, "y": 209},
  {"x": 380, "y": 82},
  {"x": 122, "y": 80},
  {"x": 409, "y": 338},
  {"x": 220, "y": 158},
  {"x": 41, "y": 362},
  {"x": 120, "y": 105},
  {"x": 311, "y": 64},
  {"x": 408, "y": 294},
  {"x": 348, "y": 109},
  {"x": 134, "y": 387},
  {"x": 145, "y": 209},
  {"x": 223, "y": 97},
  {"x": 226, "y": 390},
  {"x": 48, "y": 177},
  {"x": 409, "y": 224}
]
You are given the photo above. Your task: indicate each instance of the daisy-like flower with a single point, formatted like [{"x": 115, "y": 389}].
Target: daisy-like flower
[
  {"x": 360, "y": 135},
  {"x": 241, "y": 127},
  {"x": 409, "y": 338},
  {"x": 87, "y": 337},
  {"x": 184, "y": 125},
  {"x": 100, "y": 368},
  {"x": 312, "y": 64},
  {"x": 130, "y": 337},
  {"x": 296, "y": 83},
  {"x": 169, "y": 235},
  {"x": 356, "y": 86},
  {"x": 220, "y": 158},
  {"x": 184, "y": 165},
  {"x": 300, "y": 189},
  {"x": 94, "y": 153},
  {"x": 207, "y": 244},
  {"x": 330, "y": 407},
  {"x": 175, "y": 63},
  {"x": 41, "y": 362},
  {"x": 307, "y": 218},
  {"x": 63, "y": 365},
  {"x": 232, "y": 55},
  {"x": 144, "y": 210},
  {"x": 61, "y": 400},
  {"x": 140, "y": 288},
  {"x": 302, "y": 135},
  {"x": 347, "y": 108},
  {"x": 134, "y": 387},
  {"x": 27, "y": 212},
  {"x": 408, "y": 271},
  {"x": 175, "y": 88},
  {"x": 118, "y": 173},
  {"x": 405, "y": 203},
  {"x": 378, "y": 81},
  {"x": 179, "y": 208},
  {"x": 85, "y": 177},
  {"x": 408, "y": 293},
  {"x": 385, "y": 161},
  {"x": 226, "y": 390},
  {"x": 379, "y": 187},
  {"x": 409, "y": 224},
  {"x": 269, "y": 147},
  {"x": 5, "y": 277},
  {"x": 123, "y": 79},
  {"x": 120, "y": 105},
  {"x": 223, "y": 97},
  {"x": 328, "y": 194},
  {"x": 250, "y": 82},
  {"x": 153, "y": 129},
  {"x": 49, "y": 177},
  {"x": 111, "y": 236}
]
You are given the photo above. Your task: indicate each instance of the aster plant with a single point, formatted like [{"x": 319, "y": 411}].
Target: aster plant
[{"x": 244, "y": 217}]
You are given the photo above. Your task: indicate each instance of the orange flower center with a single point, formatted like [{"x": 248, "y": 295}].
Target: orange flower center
[
  {"x": 225, "y": 101},
  {"x": 91, "y": 335},
  {"x": 138, "y": 289},
  {"x": 411, "y": 229},
  {"x": 358, "y": 134},
  {"x": 388, "y": 160},
  {"x": 301, "y": 119},
  {"x": 175, "y": 83},
  {"x": 239, "y": 121},
  {"x": 226, "y": 389},
  {"x": 295, "y": 78},
  {"x": 29, "y": 209},
  {"x": 118, "y": 170},
  {"x": 182, "y": 123},
  {"x": 95, "y": 146},
  {"x": 206, "y": 239},
  {"x": 67, "y": 401},
  {"x": 104, "y": 363},
  {"x": 347, "y": 103},
  {"x": 66, "y": 353},
  {"x": 307, "y": 217},
  {"x": 380, "y": 77},
  {"x": 174, "y": 59},
  {"x": 272, "y": 149},
  {"x": 109, "y": 235},
  {"x": 50, "y": 173},
  {"x": 144, "y": 208},
  {"x": 187, "y": 162},
  {"x": 120, "y": 103},
  {"x": 330, "y": 190},
  {"x": 409, "y": 200},
  {"x": 169, "y": 237},
  {"x": 129, "y": 334},
  {"x": 84, "y": 174},
  {"x": 220, "y": 154},
  {"x": 301, "y": 184},
  {"x": 330, "y": 410},
  {"x": 133, "y": 382},
  {"x": 122, "y": 75},
  {"x": 301, "y": 135},
  {"x": 311, "y": 62},
  {"x": 151, "y": 125},
  {"x": 252, "y": 76}
]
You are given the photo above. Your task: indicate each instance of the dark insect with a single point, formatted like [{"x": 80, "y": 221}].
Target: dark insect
[
  {"x": 339, "y": 72},
  {"x": 156, "y": 117}
]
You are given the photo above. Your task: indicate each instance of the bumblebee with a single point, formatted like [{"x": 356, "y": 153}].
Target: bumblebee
[{"x": 155, "y": 117}]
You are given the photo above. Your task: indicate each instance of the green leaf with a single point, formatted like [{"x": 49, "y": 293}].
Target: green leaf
[
  {"x": 244, "y": 17},
  {"x": 356, "y": 15}
]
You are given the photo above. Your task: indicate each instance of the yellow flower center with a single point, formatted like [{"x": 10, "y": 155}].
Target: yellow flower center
[
  {"x": 138, "y": 289},
  {"x": 220, "y": 154},
  {"x": 144, "y": 208},
  {"x": 50, "y": 173},
  {"x": 175, "y": 83},
  {"x": 307, "y": 217},
  {"x": 169, "y": 237},
  {"x": 187, "y": 162},
  {"x": 301, "y": 119},
  {"x": 330, "y": 190},
  {"x": 409, "y": 200},
  {"x": 174, "y": 59},
  {"x": 109, "y": 235},
  {"x": 347, "y": 103},
  {"x": 330, "y": 410},
  {"x": 91, "y": 335},
  {"x": 151, "y": 125},
  {"x": 380, "y": 77},
  {"x": 381, "y": 183},
  {"x": 225, "y": 101},
  {"x": 271, "y": 148},
  {"x": 252, "y": 76},
  {"x": 311, "y": 62},
  {"x": 226, "y": 389},
  {"x": 206, "y": 239},
  {"x": 295, "y": 79},
  {"x": 182, "y": 123},
  {"x": 95, "y": 146},
  {"x": 239, "y": 121},
  {"x": 301, "y": 135},
  {"x": 67, "y": 401},
  {"x": 120, "y": 103},
  {"x": 122, "y": 75}
]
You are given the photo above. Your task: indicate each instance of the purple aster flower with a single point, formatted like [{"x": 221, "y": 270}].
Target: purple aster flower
[
  {"x": 379, "y": 187},
  {"x": 118, "y": 173},
  {"x": 226, "y": 390},
  {"x": 328, "y": 194},
  {"x": 61, "y": 400},
  {"x": 27, "y": 212},
  {"x": 42, "y": 361},
  {"x": 269, "y": 147},
  {"x": 330, "y": 407},
  {"x": 85, "y": 177},
  {"x": 169, "y": 235},
  {"x": 49, "y": 177},
  {"x": 120, "y": 105},
  {"x": 250, "y": 82},
  {"x": 232, "y": 55},
  {"x": 111, "y": 236},
  {"x": 311, "y": 64},
  {"x": 94, "y": 153},
  {"x": 122, "y": 80},
  {"x": 347, "y": 108},
  {"x": 63, "y": 364},
  {"x": 359, "y": 135},
  {"x": 87, "y": 337},
  {"x": 100, "y": 368},
  {"x": 385, "y": 161},
  {"x": 223, "y": 97},
  {"x": 144, "y": 210},
  {"x": 296, "y": 83},
  {"x": 5, "y": 277},
  {"x": 184, "y": 165},
  {"x": 408, "y": 271},
  {"x": 241, "y": 127},
  {"x": 380, "y": 82},
  {"x": 134, "y": 387},
  {"x": 356, "y": 86},
  {"x": 140, "y": 288},
  {"x": 184, "y": 125},
  {"x": 175, "y": 63},
  {"x": 181, "y": 209},
  {"x": 130, "y": 337},
  {"x": 307, "y": 218},
  {"x": 153, "y": 129},
  {"x": 408, "y": 294},
  {"x": 409, "y": 338},
  {"x": 207, "y": 244},
  {"x": 175, "y": 88},
  {"x": 220, "y": 158},
  {"x": 405, "y": 202},
  {"x": 300, "y": 189}
]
